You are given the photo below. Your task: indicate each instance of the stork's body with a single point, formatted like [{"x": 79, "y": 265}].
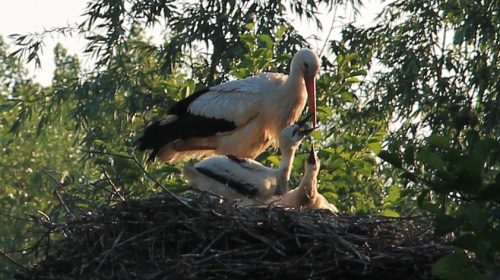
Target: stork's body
[
  {"x": 237, "y": 178},
  {"x": 241, "y": 118},
  {"x": 306, "y": 194}
]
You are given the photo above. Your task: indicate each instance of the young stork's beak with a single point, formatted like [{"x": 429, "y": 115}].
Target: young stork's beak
[
  {"x": 312, "y": 157},
  {"x": 301, "y": 124},
  {"x": 306, "y": 131}
]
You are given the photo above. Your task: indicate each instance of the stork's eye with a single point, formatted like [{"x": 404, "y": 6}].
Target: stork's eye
[{"x": 306, "y": 65}]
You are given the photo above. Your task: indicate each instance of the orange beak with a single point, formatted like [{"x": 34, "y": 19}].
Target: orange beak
[{"x": 311, "y": 96}]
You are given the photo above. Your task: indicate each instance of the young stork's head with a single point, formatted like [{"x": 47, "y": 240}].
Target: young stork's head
[
  {"x": 312, "y": 163},
  {"x": 315, "y": 200},
  {"x": 291, "y": 136}
]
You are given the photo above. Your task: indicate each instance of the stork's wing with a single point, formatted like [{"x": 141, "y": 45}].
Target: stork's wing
[
  {"x": 236, "y": 101},
  {"x": 246, "y": 177},
  {"x": 247, "y": 163},
  {"x": 218, "y": 109},
  {"x": 222, "y": 177}
]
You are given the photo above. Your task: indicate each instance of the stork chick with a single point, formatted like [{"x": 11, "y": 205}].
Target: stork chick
[
  {"x": 306, "y": 194},
  {"x": 234, "y": 178}
]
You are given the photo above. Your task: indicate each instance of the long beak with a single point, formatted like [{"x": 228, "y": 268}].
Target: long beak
[
  {"x": 311, "y": 96},
  {"x": 312, "y": 156}
]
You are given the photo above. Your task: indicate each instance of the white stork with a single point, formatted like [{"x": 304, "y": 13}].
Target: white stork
[
  {"x": 306, "y": 194},
  {"x": 241, "y": 117},
  {"x": 235, "y": 178}
]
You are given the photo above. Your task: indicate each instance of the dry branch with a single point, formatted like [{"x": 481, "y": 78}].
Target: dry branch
[{"x": 159, "y": 238}]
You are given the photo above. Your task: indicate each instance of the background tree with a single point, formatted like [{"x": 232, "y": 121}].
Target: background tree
[
  {"x": 440, "y": 86},
  {"x": 420, "y": 89}
]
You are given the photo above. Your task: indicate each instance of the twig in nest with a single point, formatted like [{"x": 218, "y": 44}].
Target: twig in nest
[
  {"x": 10, "y": 259},
  {"x": 56, "y": 192},
  {"x": 138, "y": 163},
  {"x": 109, "y": 251},
  {"x": 115, "y": 189},
  {"x": 161, "y": 185}
]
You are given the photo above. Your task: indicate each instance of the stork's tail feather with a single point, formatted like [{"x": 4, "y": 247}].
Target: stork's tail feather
[
  {"x": 152, "y": 139},
  {"x": 174, "y": 128}
]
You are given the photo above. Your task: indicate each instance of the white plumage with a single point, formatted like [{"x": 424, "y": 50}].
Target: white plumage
[
  {"x": 306, "y": 194},
  {"x": 236, "y": 178},
  {"x": 240, "y": 118}
]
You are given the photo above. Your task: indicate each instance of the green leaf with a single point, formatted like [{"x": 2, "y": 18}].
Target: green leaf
[
  {"x": 248, "y": 39},
  {"x": 393, "y": 195},
  {"x": 249, "y": 26},
  {"x": 268, "y": 42},
  {"x": 330, "y": 196},
  {"x": 456, "y": 266},
  {"x": 431, "y": 159},
  {"x": 409, "y": 155},
  {"x": 445, "y": 224},
  {"x": 347, "y": 97},
  {"x": 440, "y": 141},
  {"x": 484, "y": 147},
  {"x": 317, "y": 135},
  {"x": 358, "y": 73},
  {"x": 281, "y": 31},
  {"x": 391, "y": 158},
  {"x": 168, "y": 169},
  {"x": 274, "y": 159},
  {"x": 476, "y": 216},
  {"x": 466, "y": 241},
  {"x": 390, "y": 213},
  {"x": 375, "y": 147}
]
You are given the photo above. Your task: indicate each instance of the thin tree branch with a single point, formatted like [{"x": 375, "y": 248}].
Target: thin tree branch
[{"x": 10, "y": 259}]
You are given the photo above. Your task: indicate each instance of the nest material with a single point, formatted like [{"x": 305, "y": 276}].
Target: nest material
[{"x": 161, "y": 237}]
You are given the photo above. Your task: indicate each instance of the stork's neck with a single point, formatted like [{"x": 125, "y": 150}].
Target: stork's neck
[
  {"x": 285, "y": 169},
  {"x": 288, "y": 101},
  {"x": 295, "y": 79}
]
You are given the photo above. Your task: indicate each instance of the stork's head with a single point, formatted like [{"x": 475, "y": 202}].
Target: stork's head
[
  {"x": 291, "y": 136},
  {"x": 305, "y": 64}
]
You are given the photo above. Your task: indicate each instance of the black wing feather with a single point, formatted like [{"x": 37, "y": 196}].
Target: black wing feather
[
  {"x": 181, "y": 106},
  {"x": 242, "y": 188},
  {"x": 186, "y": 126}
]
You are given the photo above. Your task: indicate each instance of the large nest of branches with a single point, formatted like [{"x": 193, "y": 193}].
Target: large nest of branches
[{"x": 164, "y": 237}]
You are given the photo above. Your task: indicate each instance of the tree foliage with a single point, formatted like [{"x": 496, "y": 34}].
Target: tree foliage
[
  {"x": 440, "y": 84},
  {"x": 420, "y": 89}
]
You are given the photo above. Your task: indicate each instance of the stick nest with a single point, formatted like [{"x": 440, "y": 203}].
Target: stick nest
[{"x": 201, "y": 238}]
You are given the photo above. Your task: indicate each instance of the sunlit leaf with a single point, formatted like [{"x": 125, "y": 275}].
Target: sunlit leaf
[{"x": 390, "y": 213}]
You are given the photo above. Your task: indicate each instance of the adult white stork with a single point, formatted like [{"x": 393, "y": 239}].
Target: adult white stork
[
  {"x": 235, "y": 178},
  {"x": 306, "y": 194},
  {"x": 241, "y": 117}
]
